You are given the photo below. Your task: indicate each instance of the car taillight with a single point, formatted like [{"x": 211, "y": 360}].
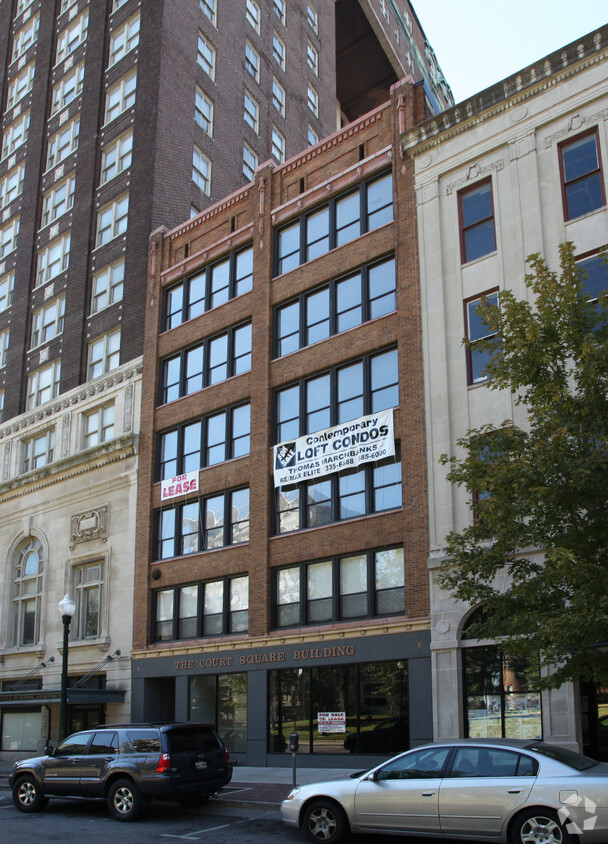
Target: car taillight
[
  {"x": 227, "y": 754},
  {"x": 164, "y": 764}
]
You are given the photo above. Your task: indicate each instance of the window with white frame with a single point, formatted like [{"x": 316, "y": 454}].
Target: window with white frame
[
  {"x": 4, "y": 341},
  {"x": 120, "y": 96},
  {"x": 1, "y": 405},
  {"x": 279, "y": 10},
  {"x": 53, "y": 259},
  {"x": 8, "y": 237},
  {"x": 22, "y": 6},
  {"x": 63, "y": 143},
  {"x": 251, "y": 112},
  {"x": 72, "y": 36},
  {"x": 112, "y": 220},
  {"x": 43, "y": 385},
  {"x": 205, "y": 56},
  {"x": 11, "y": 185},
  {"x": 313, "y": 100},
  {"x": 65, "y": 5},
  {"x": 252, "y": 61},
  {"x": 25, "y": 37},
  {"x": 116, "y": 157},
  {"x": 7, "y": 285},
  {"x": 278, "y": 145},
  {"x": 312, "y": 137},
  {"x": 252, "y": 14},
  {"x": 384, "y": 8},
  {"x": 21, "y": 85},
  {"x": 278, "y": 51},
  {"x": 58, "y": 200},
  {"x": 209, "y": 8},
  {"x": 250, "y": 162},
  {"x": 117, "y": 4},
  {"x": 38, "y": 450},
  {"x": 88, "y": 586},
  {"x": 201, "y": 170},
  {"x": 125, "y": 39},
  {"x": 98, "y": 425},
  {"x": 203, "y": 112},
  {"x": 104, "y": 354},
  {"x": 27, "y": 591},
  {"x": 278, "y": 96},
  {"x": 47, "y": 322},
  {"x": 68, "y": 88},
  {"x": 312, "y": 58},
  {"x": 108, "y": 286},
  {"x": 312, "y": 16},
  {"x": 15, "y": 135}
]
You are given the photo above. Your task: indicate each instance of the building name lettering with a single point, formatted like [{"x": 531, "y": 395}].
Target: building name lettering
[{"x": 260, "y": 659}]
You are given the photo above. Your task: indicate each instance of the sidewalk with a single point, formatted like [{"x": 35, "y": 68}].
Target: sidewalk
[{"x": 259, "y": 787}]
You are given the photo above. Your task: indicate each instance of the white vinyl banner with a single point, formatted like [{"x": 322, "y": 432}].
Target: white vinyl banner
[
  {"x": 333, "y": 449},
  {"x": 172, "y": 487}
]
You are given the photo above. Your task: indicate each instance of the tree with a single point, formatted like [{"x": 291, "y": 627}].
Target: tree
[{"x": 539, "y": 493}]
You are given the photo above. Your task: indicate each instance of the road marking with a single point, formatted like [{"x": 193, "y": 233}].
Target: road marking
[{"x": 190, "y": 835}]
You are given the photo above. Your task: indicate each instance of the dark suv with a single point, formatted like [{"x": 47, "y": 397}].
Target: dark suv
[{"x": 127, "y": 765}]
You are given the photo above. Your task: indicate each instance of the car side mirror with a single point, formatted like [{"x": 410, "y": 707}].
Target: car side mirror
[{"x": 49, "y": 750}]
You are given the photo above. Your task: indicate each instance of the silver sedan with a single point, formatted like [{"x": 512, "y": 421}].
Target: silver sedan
[{"x": 515, "y": 792}]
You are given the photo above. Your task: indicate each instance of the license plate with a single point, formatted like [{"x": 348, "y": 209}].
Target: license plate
[{"x": 200, "y": 765}]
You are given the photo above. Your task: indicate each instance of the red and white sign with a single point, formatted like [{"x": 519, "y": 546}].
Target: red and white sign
[
  {"x": 331, "y": 722},
  {"x": 179, "y": 485}
]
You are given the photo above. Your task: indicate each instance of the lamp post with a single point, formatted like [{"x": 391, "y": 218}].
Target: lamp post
[{"x": 67, "y": 608}]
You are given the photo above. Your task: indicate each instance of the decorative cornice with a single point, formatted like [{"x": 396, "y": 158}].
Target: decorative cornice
[
  {"x": 575, "y": 124},
  {"x": 474, "y": 173},
  {"x": 204, "y": 216}
]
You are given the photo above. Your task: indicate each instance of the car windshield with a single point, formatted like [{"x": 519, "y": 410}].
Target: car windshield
[{"x": 562, "y": 754}]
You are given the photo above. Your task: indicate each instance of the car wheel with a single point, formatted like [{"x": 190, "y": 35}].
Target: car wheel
[
  {"x": 194, "y": 801},
  {"x": 124, "y": 801},
  {"x": 325, "y": 821},
  {"x": 28, "y": 796},
  {"x": 539, "y": 825}
]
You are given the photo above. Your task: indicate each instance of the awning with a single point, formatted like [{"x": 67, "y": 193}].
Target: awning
[{"x": 38, "y": 697}]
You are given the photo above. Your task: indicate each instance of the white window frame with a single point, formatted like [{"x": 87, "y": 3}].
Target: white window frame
[
  {"x": 27, "y": 588},
  {"x": 88, "y": 589},
  {"x": 312, "y": 16},
  {"x": 201, "y": 170},
  {"x": 68, "y": 88},
  {"x": 25, "y": 37},
  {"x": 22, "y": 5},
  {"x": 16, "y": 134},
  {"x": 98, "y": 425},
  {"x": 278, "y": 50},
  {"x": 312, "y": 58},
  {"x": 205, "y": 55},
  {"x": 58, "y": 201},
  {"x": 312, "y": 137},
  {"x": 7, "y": 286},
  {"x": 63, "y": 143},
  {"x": 209, "y": 9},
  {"x": 4, "y": 344},
  {"x": 253, "y": 15},
  {"x": 9, "y": 234},
  {"x": 312, "y": 98},
  {"x": 104, "y": 354},
  {"x": 70, "y": 38},
  {"x": 278, "y": 145},
  {"x": 112, "y": 220},
  {"x": 47, "y": 322},
  {"x": 117, "y": 4},
  {"x": 125, "y": 39},
  {"x": 278, "y": 96},
  {"x": 108, "y": 286},
  {"x": 250, "y": 162},
  {"x": 43, "y": 385},
  {"x": 11, "y": 186},
  {"x": 252, "y": 61},
  {"x": 279, "y": 10},
  {"x": 251, "y": 112},
  {"x": 53, "y": 259},
  {"x": 120, "y": 97},
  {"x": 203, "y": 112},
  {"x": 116, "y": 157},
  {"x": 21, "y": 85},
  {"x": 38, "y": 451}
]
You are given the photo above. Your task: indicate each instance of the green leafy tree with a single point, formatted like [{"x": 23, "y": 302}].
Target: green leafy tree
[{"x": 540, "y": 492}]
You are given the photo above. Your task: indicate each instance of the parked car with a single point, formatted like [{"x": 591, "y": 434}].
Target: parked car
[
  {"x": 477, "y": 790},
  {"x": 127, "y": 765}
]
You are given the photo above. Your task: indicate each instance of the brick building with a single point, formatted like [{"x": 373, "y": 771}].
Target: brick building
[{"x": 281, "y": 322}]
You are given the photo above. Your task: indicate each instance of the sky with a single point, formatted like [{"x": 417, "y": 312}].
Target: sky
[{"x": 480, "y": 42}]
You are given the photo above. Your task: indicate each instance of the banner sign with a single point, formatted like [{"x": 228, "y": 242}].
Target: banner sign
[
  {"x": 179, "y": 485},
  {"x": 331, "y": 722},
  {"x": 334, "y": 449}
]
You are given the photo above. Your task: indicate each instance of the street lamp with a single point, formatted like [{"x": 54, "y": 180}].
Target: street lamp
[{"x": 67, "y": 608}]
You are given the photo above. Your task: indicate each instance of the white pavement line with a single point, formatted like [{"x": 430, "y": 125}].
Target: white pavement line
[{"x": 190, "y": 835}]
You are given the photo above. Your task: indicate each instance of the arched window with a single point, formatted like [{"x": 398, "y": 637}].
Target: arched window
[
  {"x": 501, "y": 692},
  {"x": 27, "y": 593}
]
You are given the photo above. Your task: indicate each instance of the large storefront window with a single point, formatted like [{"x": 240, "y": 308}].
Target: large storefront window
[
  {"x": 222, "y": 700},
  {"x": 373, "y": 698},
  {"x": 502, "y": 695},
  {"x": 21, "y": 730}
]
